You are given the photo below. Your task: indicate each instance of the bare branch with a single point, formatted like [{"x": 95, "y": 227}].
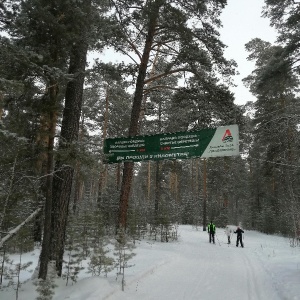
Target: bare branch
[
  {"x": 8, "y": 193},
  {"x": 134, "y": 49},
  {"x": 127, "y": 35},
  {"x": 126, "y": 53},
  {"x": 151, "y": 79},
  {"x": 157, "y": 87}
]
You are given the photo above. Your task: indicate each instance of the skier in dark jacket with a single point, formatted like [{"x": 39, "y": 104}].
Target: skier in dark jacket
[
  {"x": 239, "y": 237},
  {"x": 211, "y": 228}
]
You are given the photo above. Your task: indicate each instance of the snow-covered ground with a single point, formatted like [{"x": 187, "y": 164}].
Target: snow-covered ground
[{"x": 267, "y": 268}]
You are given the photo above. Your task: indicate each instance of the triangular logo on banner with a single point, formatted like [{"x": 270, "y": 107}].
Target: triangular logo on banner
[{"x": 227, "y": 137}]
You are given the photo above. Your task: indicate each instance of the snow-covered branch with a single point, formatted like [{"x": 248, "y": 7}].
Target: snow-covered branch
[{"x": 14, "y": 231}]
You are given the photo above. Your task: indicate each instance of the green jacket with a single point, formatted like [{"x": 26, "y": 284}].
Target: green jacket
[{"x": 211, "y": 228}]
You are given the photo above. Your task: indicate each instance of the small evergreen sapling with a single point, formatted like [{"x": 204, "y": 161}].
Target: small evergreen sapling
[
  {"x": 73, "y": 263},
  {"x": 100, "y": 262},
  {"x": 11, "y": 272},
  {"x": 123, "y": 250},
  {"x": 45, "y": 288}
]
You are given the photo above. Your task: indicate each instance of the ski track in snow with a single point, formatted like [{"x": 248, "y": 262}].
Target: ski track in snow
[
  {"x": 192, "y": 269},
  {"x": 243, "y": 274}
]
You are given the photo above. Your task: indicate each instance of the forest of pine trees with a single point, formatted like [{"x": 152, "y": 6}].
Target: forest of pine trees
[{"x": 57, "y": 106}]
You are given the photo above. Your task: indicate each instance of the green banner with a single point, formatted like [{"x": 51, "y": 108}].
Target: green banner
[{"x": 210, "y": 142}]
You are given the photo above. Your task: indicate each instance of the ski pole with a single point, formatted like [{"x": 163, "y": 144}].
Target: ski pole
[{"x": 218, "y": 240}]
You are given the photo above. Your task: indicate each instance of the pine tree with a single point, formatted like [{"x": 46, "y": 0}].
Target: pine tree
[
  {"x": 45, "y": 288},
  {"x": 193, "y": 50},
  {"x": 100, "y": 261},
  {"x": 123, "y": 253},
  {"x": 276, "y": 137}
]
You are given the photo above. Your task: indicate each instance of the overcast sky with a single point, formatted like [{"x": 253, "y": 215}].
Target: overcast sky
[{"x": 242, "y": 22}]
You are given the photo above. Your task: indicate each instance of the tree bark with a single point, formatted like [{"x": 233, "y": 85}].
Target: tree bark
[
  {"x": 135, "y": 113},
  {"x": 157, "y": 191},
  {"x": 9, "y": 192},
  {"x": 46, "y": 244},
  {"x": 204, "y": 195},
  {"x": 103, "y": 168},
  {"x": 64, "y": 167}
]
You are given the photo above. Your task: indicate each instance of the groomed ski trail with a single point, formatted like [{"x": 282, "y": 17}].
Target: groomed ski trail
[{"x": 241, "y": 271}]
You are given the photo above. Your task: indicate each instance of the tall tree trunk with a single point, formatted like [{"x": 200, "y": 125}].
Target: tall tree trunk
[
  {"x": 103, "y": 168},
  {"x": 64, "y": 170},
  {"x": 77, "y": 188},
  {"x": 44, "y": 153},
  {"x": 157, "y": 191},
  {"x": 47, "y": 187},
  {"x": 135, "y": 113},
  {"x": 7, "y": 197},
  {"x": 1, "y": 106},
  {"x": 149, "y": 181},
  {"x": 118, "y": 176},
  {"x": 204, "y": 195},
  {"x": 158, "y": 173},
  {"x": 77, "y": 174}
]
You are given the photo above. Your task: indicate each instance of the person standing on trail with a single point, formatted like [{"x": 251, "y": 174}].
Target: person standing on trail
[
  {"x": 211, "y": 228},
  {"x": 239, "y": 237},
  {"x": 228, "y": 232}
]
